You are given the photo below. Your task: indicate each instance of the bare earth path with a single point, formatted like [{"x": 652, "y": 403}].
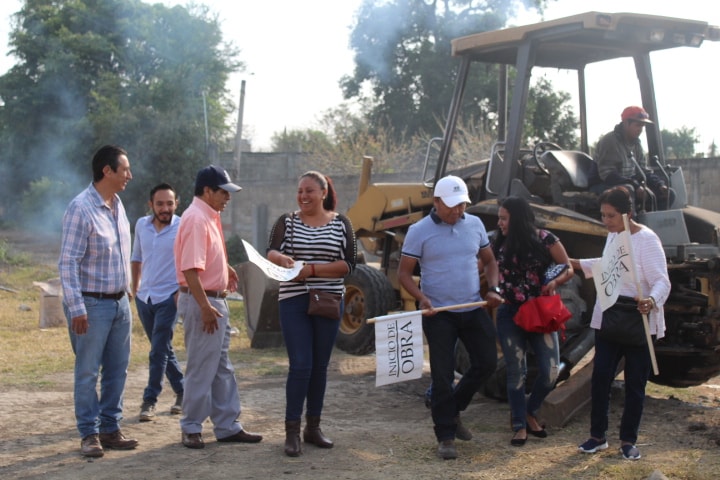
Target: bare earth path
[{"x": 379, "y": 433}]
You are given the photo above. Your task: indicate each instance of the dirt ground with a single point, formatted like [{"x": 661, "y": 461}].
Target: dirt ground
[{"x": 379, "y": 433}]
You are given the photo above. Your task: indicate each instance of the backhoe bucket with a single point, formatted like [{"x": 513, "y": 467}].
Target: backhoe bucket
[{"x": 260, "y": 296}]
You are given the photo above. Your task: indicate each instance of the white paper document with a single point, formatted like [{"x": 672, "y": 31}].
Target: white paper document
[{"x": 279, "y": 273}]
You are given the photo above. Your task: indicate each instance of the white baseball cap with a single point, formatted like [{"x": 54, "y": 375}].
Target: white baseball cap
[{"x": 452, "y": 190}]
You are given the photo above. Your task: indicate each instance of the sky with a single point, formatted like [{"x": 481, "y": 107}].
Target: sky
[{"x": 297, "y": 51}]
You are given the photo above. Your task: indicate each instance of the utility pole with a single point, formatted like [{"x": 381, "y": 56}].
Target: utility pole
[
  {"x": 237, "y": 156},
  {"x": 207, "y": 130}
]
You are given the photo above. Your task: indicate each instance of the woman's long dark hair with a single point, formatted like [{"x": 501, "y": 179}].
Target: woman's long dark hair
[{"x": 522, "y": 240}]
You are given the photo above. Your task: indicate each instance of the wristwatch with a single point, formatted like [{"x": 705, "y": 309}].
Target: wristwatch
[{"x": 495, "y": 289}]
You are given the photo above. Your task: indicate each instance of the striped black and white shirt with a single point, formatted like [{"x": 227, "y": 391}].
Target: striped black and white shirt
[{"x": 313, "y": 245}]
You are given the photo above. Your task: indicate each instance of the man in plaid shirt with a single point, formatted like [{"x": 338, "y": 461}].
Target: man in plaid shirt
[{"x": 95, "y": 275}]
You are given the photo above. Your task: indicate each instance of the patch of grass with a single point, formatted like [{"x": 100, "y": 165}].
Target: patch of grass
[
  {"x": 687, "y": 395},
  {"x": 35, "y": 358},
  {"x": 265, "y": 362},
  {"x": 21, "y": 278},
  {"x": 9, "y": 257}
]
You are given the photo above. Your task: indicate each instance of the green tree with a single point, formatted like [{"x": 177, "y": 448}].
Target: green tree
[
  {"x": 299, "y": 141},
  {"x": 90, "y": 72},
  {"x": 549, "y": 116},
  {"x": 679, "y": 143},
  {"x": 403, "y": 63},
  {"x": 712, "y": 150},
  {"x": 337, "y": 144}
]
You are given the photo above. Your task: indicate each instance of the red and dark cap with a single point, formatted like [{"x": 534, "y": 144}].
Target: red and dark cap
[{"x": 636, "y": 114}]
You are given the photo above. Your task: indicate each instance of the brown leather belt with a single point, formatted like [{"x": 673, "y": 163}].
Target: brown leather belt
[
  {"x": 100, "y": 295},
  {"x": 209, "y": 293}
]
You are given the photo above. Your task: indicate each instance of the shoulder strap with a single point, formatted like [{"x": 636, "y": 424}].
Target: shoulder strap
[
  {"x": 292, "y": 242},
  {"x": 292, "y": 235}
]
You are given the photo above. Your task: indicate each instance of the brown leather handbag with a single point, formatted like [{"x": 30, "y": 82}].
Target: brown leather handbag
[
  {"x": 321, "y": 303},
  {"x": 324, "y": 304}
]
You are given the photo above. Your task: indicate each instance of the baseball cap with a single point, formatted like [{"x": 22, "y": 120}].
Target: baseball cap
[
  {"x": 212, "y": 176},
  {"x": 636, "y": 114},
  {"x": 452, "y": 190}
]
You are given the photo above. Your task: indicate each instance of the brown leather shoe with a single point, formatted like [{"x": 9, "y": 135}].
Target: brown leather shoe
[
  {"x": 313, "y": 435},
  {"x": 117, "y": 441},
  {"x": 293, "y": 447},
  {"x": 193, "y": 440},
  {"x": 461, "y": 431},
  {"x": 243, "y": 437},
  {"x": 90, "y": 446}
]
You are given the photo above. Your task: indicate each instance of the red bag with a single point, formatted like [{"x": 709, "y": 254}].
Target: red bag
[{"x": 543, "y": 314}]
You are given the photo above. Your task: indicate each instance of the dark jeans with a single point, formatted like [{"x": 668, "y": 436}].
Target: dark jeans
[
  {"x": 475, "y": 329},
  {"x": 309, "y": 341},
  {"x": 158, "y": 320},
  {"x": 637, "y": 372},
  {"x": 515, "y": 342}
]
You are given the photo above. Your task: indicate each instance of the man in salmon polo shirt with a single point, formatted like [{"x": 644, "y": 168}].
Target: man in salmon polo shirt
[{"x": 205, "y": 277}]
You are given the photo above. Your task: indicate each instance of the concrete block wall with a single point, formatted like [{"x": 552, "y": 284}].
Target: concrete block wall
[
  {"x": 269, "y": 182},
  {"x": 702, "y": 180}
]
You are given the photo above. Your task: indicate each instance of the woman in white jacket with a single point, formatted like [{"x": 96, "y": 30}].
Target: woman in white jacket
[{"x": 652, "y": 276}]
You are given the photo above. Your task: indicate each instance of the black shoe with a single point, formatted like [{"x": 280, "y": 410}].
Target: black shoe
[
  {"x": 242, "y": 437},
  {"x": 537, "y": 433},
  {"x": 518, "y": 442}
]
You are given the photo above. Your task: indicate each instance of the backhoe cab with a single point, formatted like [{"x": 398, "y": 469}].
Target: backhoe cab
[{"x": 555, "y": 181}]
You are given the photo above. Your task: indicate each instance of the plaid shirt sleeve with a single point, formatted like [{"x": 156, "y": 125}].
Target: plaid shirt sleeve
[{"x": 72, "y": 251}]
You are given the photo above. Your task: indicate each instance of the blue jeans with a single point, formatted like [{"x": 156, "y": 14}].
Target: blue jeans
[
  {"x": 309, "y": 341},
  {"x": 514, "y": 342},
  {"x": 159, "y": 321},
  {"x": 106, "y": 346},
  {"x": 637, "y": 372},
  {"x": 475, "y": 329}
]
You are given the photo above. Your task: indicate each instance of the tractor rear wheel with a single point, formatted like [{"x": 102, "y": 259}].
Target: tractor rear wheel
[{"x": 368, "y": 294}]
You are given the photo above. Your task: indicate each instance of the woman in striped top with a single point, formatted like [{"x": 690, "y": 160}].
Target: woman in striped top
[{"x": 325, "y": 241}]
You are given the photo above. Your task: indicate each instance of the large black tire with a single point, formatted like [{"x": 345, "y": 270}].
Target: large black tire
[{"x": 368, "y": 294}]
